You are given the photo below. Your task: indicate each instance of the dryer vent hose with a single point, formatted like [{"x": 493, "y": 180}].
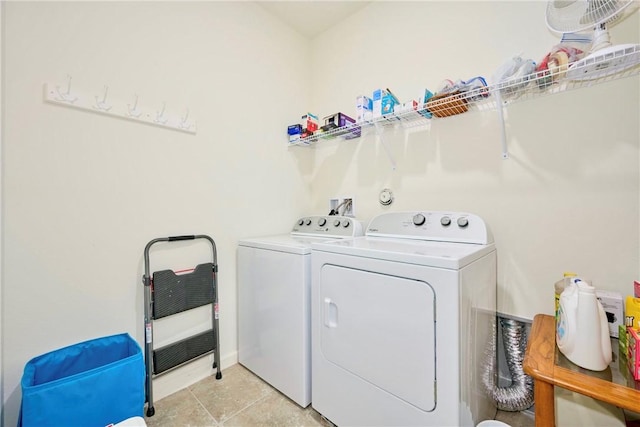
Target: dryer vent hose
[{"x": 519, "y": 395}]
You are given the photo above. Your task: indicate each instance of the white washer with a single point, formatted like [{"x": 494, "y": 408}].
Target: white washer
[
  {"x": 274, "y": 302},
  {"x": 401, "y": 321}
]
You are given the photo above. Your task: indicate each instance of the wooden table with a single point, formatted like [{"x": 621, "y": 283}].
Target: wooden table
[{"x": 549, "y": 367}]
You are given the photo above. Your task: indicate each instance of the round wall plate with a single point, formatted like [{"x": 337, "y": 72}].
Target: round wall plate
[{"x": 385, "y": 197}]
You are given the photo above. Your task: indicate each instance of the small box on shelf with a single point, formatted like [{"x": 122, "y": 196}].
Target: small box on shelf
[
  {"x": 294, "y": 132},
  {"x": 338, "y": 121},
  {"x": 378, "y": 96},
  {"x": 364, "y": 109},
  {"x": 633, "y": 352},
  {"x": 309, "y": 122},
  {"x": 623, "y": 341},
  {"x": 613, "y": 308},
  {"x": 388, "y": 104}
]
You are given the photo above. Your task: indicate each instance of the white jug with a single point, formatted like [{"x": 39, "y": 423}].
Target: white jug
[{"x": 582, "y": 332}]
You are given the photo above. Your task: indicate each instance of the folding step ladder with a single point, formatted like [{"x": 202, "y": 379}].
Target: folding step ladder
[{"x": 167, "y": 293}]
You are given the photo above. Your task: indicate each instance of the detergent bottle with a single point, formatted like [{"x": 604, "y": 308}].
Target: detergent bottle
[{"x": 582, "y": 332}]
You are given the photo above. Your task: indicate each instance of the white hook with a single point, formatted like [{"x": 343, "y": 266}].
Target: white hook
[
  {"x": 183, "y": 121},
  {"x": 160, "y": 118},
  {"x": 66, "y": 96},
  {"x": 134, "y": 112},
  {"x": 102, "y": 104}
]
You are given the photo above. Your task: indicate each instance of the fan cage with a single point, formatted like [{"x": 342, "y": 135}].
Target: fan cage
[{"x": 573, "y": 16}]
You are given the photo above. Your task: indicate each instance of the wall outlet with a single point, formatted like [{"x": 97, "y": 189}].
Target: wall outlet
[
  {"x": 333, "y": 204},
  {"x": 343, "y": 205},
  {"x": 348, "y": 209}
]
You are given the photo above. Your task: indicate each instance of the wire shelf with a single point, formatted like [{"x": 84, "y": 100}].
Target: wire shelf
[{"x": 603, "y": 66}]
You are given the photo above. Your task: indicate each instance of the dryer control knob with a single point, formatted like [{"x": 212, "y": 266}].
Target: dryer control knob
[
  {"x": 336, "y": 223},
  {"x": 308, "y": 222},
  {"x": 346, "y": 224},
  {"x": 322, "y": 222},
  {"x": 463, "y": 222},
  {"x": 419, "y": 219},
  {"x": 301, "y": 221},
  {"x": 445, "y": 221}
]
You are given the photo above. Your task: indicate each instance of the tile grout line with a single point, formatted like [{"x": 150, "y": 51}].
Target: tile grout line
[
  {"x": 233, "y": 414},
  {"x": 248, "y": 406},
  {"x": 203, "y": 407}
]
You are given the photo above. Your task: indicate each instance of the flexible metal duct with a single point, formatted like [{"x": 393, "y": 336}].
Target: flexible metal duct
[{"x": 519, "y": 395}]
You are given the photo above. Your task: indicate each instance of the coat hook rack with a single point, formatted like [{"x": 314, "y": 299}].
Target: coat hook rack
[
  {"x": 55, "y": 94},
  {"x": 101, "y": 104}
]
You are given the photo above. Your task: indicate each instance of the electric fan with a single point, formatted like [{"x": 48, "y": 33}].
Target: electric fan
[{"x": 604, "y": 58}]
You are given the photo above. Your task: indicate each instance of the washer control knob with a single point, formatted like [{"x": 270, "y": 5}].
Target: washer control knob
[
  {"x": 445, "y": 221},
  {"x": 300, "y": 221},
  {"x": 308, "y": 222},
  {"x": 418, "y": 219},
  {"x": 336, "y": 223},
  {"x": 463, "y": 222},
  {"x": 346, "y": 224},
  {"x": 322, "y": 222}
]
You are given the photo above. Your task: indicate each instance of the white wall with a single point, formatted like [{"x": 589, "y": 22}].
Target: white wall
[
  {"x": 83, "y": 193},
  {"x": 568, "y": 196}
]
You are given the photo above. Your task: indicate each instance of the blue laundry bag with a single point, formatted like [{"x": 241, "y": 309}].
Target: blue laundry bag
[{"x": 92, "y": 383}]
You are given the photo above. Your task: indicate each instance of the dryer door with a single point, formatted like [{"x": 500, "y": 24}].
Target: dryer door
[{"x": 380, "y": 328}]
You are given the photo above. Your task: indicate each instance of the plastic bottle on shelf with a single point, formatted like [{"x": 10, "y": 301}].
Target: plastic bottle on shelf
[{"x": 560, "y": 285}]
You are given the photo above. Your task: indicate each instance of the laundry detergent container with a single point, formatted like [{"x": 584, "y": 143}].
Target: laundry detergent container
[{"x": 92, "y": 383}]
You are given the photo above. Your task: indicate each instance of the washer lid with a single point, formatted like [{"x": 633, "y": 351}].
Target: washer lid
[
  {"x": 284, "y": 243},
  {"x": 428, "y": 253}
]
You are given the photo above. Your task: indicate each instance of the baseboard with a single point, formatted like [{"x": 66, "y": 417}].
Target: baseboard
[{"x": 189, "y": 374}]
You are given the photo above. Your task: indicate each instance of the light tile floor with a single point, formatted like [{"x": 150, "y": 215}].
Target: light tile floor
[{"x": 242, "y": 399}]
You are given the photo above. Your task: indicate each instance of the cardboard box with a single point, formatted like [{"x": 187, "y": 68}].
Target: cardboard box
[
  {"x": 336, "y": 120},
  {"x": 309, "y": 122},
  {"x": 407, "y": 106},
  {"x": 623, "y": 341},
  {"x": 294, "y": 129},
  {"x": 364, "y": 109},
  {"x": 388, "y": 104},
  {"x": 423, "y": 104},
  {"x": 612, "y": 303},
  {"x": 633, "y": 354},
  {"x": 294, "y": 139},
  {"x": 294, "y": 132},
  {"x": 341, "y": 120},
  {"x": 632, "y": 312},
  {"x": 346, "y": 121},
  {"x": 378, "y": 94}
]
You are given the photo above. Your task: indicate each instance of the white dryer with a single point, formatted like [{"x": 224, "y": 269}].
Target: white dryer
[
  {"x": 401, "y": 321},
  {"x": 274, "y": 302}
]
